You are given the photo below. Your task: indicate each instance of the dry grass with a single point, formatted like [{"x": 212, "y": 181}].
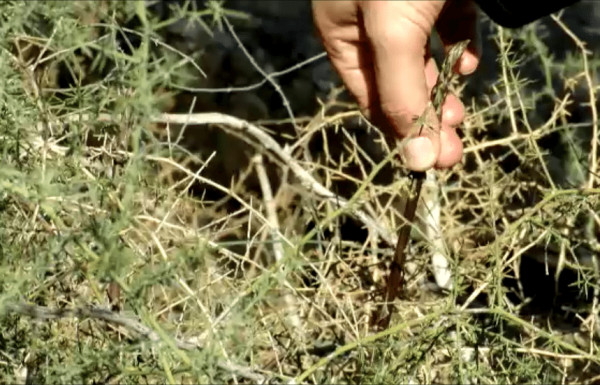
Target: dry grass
[{"x": 246, "y": 255}]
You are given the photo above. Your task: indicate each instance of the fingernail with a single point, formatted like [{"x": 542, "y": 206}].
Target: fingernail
[{"x": 418, "y": 154}]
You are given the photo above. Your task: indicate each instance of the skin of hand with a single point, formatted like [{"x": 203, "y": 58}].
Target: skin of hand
[{"x": 381, "y": 51}]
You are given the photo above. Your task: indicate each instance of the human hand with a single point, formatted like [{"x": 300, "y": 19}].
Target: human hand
[{"x": 381, "y": 51}]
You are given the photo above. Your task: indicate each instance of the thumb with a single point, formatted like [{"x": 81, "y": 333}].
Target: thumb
[{"x": 404, "y": 73}]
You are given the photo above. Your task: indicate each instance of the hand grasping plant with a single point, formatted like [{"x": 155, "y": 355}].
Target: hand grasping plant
[{"x": 381, "y": 50}]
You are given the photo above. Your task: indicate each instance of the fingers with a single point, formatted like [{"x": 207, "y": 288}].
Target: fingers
[
  {"x": 451, "y": 151},
  {"x": 458, "y": 22},
  {"x": 347, "y": 47},
  {"x": 453, "y": 114}
]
